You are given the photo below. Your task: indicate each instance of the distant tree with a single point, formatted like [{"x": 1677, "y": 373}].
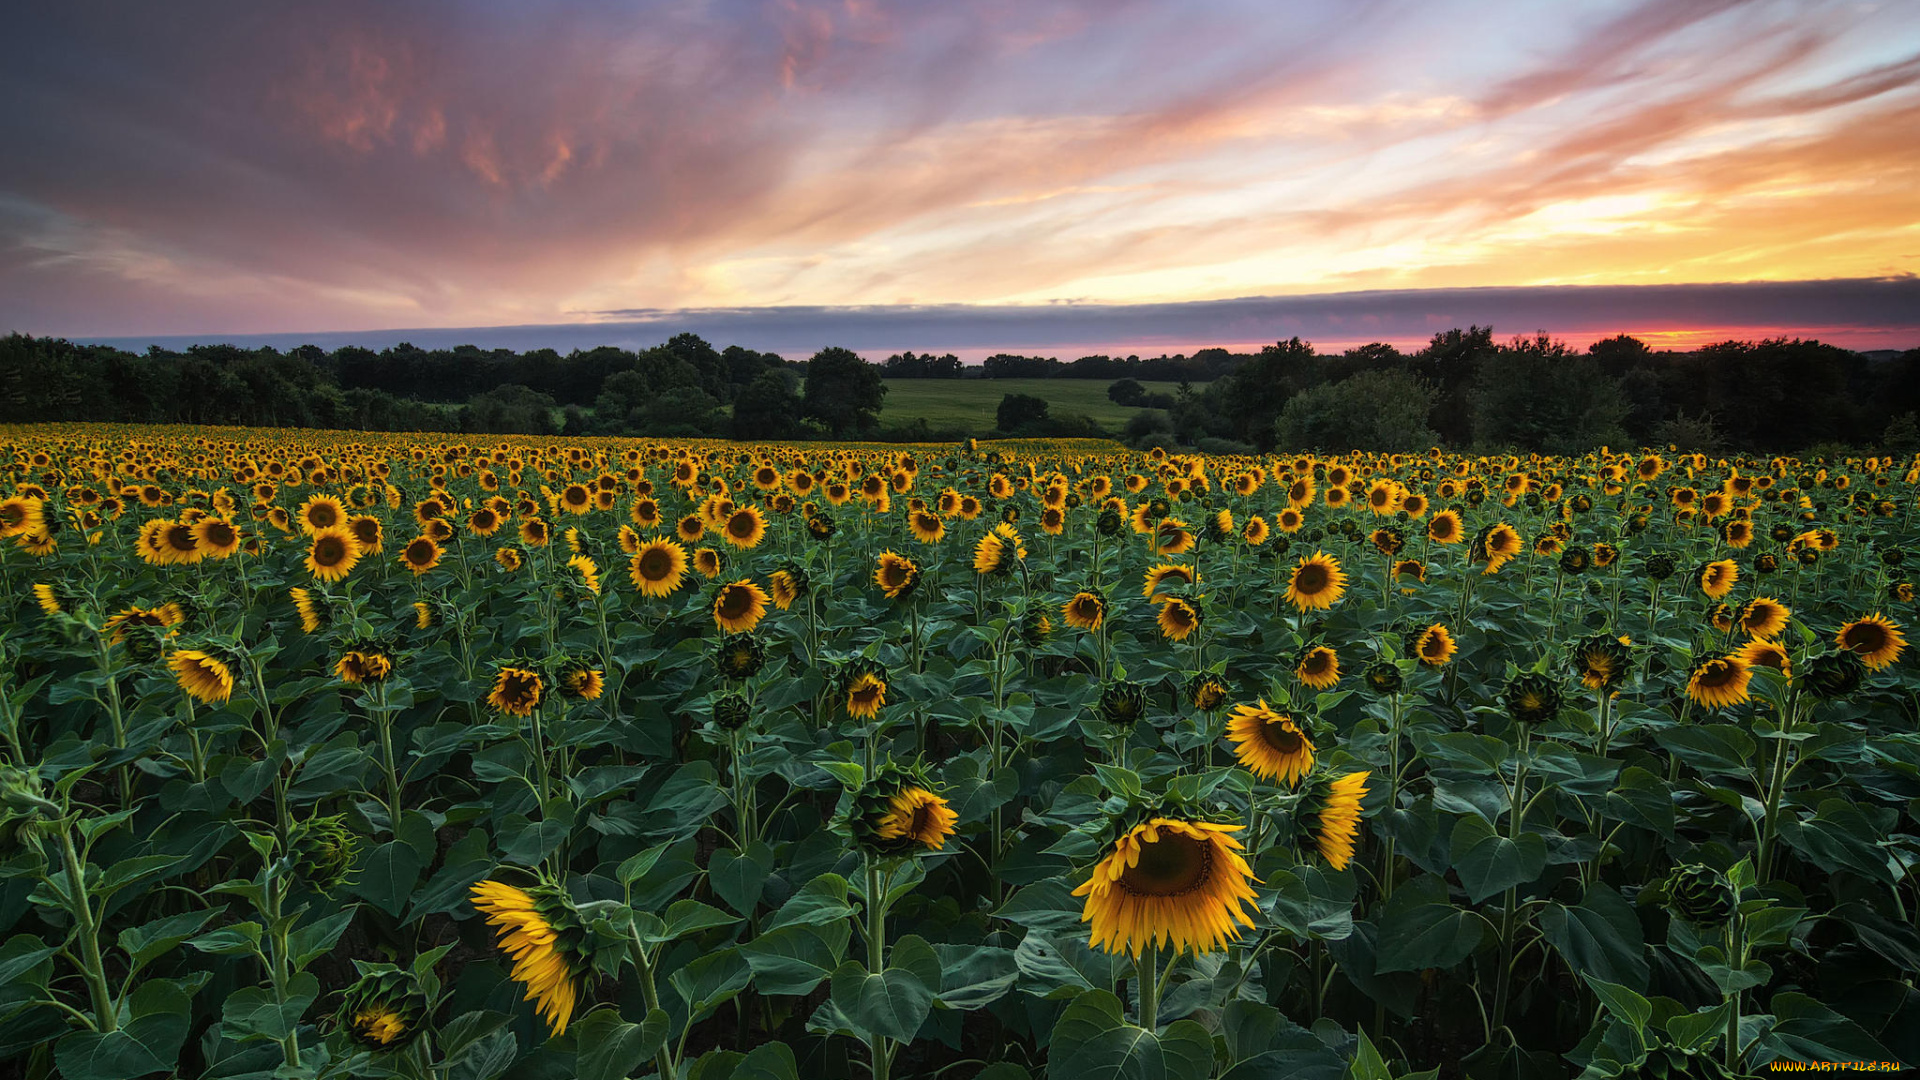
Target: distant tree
[
  {"x": 1537, "y": 394},
  {"x": 1619, "y": 354},
  {"x": 1902, "y": 436},
  {"x": 767, "y": 409},
  {"x": 1691, "y": 434},
  {"x": 1374, "y": 410},
  {"x": 1377, "y": 354},
  {"x": 683, "y": 412},
  {"x": 1019, "y": 411},
  {"x": 1128, "y": 393},
  {"x": 1449, "y": 364},
  {"x": 510, "y": 409},
  {"x": 843, "y": 392},
  {"x": 1250, "y": 399}
]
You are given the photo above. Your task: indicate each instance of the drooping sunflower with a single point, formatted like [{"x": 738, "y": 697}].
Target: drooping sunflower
[
  {"x": 1318, "y": 667},
  {"x": 1086, "y": 611},
  {"x": 786, "y": 586},
  {"x": 1336, "y": 825},
  {"x": 582, "y": 683},
  {"x": 658, "y": 567},
  {"x": 357, "y": 666},
  {"x": 332, "y": 554},
  {"x": 917, "y": 815},
  {"x": 866, "y": 694},
  {"x": 739, "y": 607},
  {"x": 1717, "y": 578},
  {"x": 48, "y": 597},
  {"x": 1435, "y": 646},
  {"x": 1178, "y": 619},
  {"x": 897, "y": 575},
  {"x": 1719, "y": 681},
  {"x": 1160, "y": 576},
  {"x": 998, "y": 552},
  {"x": 1173, "y": 882},
  {"x": 205, "y": 678},
  {"x": 420, "y": 555},
  {"x": 1874, "y": 638},
  {"x": 1271, "y": 745},
  {"x": 508, "y": 558},
  {"x": 541, "y": 931},
  {"x": 1317, "y": 583},
  {"x": 516, "y": 691}
]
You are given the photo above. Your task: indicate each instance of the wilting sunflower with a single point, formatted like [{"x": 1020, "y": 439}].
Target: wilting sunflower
[
  {"x": 48, "y": 597},
  {"x": 1318, "y": 667},
  {"x": 917, "y": 815},
  {"x": 1178, "y": 619},
  {"x": 205, "y": 678},
  {"x": 1718, "y": 681},
  {"x": 420, "y": 555},
  {"x": 1435, "y": 646},
  {"x": 1317, "y": 583},
  {"x": 1874, "y": 638},
  {"x": 1717, "y": 578},
  {"x": 1087, "y": 610},
  {"x": 866, "y": 694},
  {"x": 1336, "y": 825},
  {"x": 516, "y": 691},
  {"x": 786, "y": 586},
  {"x": 1168, "y": 881},
  {"x": 896, "y": 575},
  {"x": 1763, "y": 617},
  {"x": 332, "y": 554},
  {"x": 739, "y": 607},
  {"x": 540, "y": 930},
  {"x": 1271, "y": 745},
  {"x": 313, "y": 613},
  {"x": 1762, "y": 652},
  {"x": 426, "y": 614},
  {"x": 508, "y": 558},
  {"x": 658, "y": 567},
  {"x": 358, "y": 666}
]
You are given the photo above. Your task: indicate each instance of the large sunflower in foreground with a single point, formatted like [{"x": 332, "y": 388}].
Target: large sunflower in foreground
[
  {"x": 1270, "y": 744},
  {"x": 1317, "y": 583},
  {"x": 739, "y": 607},
  {"x": 1874, "y": 638},
  {"x": 1167, "y": 881},
  {"x": 539, "y": 929}
]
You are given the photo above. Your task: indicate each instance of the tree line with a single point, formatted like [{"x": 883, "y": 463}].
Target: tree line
[{"x": 1464, "y": 389}]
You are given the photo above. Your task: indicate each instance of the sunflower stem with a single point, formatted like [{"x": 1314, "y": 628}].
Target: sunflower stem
[
  {"x": 87, "y": 929},
  {"x": 650, "y": 994},
  {"x": 1147, "y": 974},
  {"x": 1776, "y": 785},
  {"x": 876, "y": 958}
]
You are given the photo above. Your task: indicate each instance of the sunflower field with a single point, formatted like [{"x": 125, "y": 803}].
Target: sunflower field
[{"x": 334, "y": 754}]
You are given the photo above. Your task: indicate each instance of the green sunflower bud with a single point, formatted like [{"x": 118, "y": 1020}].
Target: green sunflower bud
[
  {"x": 322, "y": 851},
  {"x": 1700, "y": 895},
  {"x": 385, "y": 1010},
  {"x": 1123, "y": 704},
  {"x": 732, "y": 711},
  {"x": 740, "y": 656},
  {"x": 1531, "y": 699}
]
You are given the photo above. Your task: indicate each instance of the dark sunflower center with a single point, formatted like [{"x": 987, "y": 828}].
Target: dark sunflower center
[
  {"x": 1315, "y": 664},
  {"x": 1310, "y": 579},
  {"x": 329, "y": 551},
  {"x": 740, "y": 526},
  {"x": 419, "y": 553},
  {"x": 1171, "y": 866},
  {"x": 1434, "y": 646},
  {"x": 1716, "y": 674},
  {"x": 1282, "y": 736},
  {"x": 655, "y": 565},
  {"x": 1865, "y": 637},
  {"x": 322, "y": 517},
  {"x": 922, "y": 825},
  {"x": 180, "y": 538},
  {"x": 735, "y": 603},
  {"x": 220, "y": 533}
]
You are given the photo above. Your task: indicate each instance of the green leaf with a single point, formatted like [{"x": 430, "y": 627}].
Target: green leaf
[
  {"x": 149, "y": 942},
  {"x": 1367, "y": 1063},
  {"x": 822, "y": 900},
  {"x": 252, "y": 1012},
  {"x": 1601, "y": 937},
  {"x": 236, "y": 940},
  {"x": 637, "y": 866},
  {"x": 892, "y": 1003},
  {"x": 150, "y": 1041},
  {"x": 711, "y": 981},
  {"x": 739, "y": 878},
  {"x": 975, "y": 976},
  {"x": 127, "y": 872},
  {"x": 690, "y": 917},
  {"x": 1488, "y": 862},
  {"x": 768, "y": 1061},
  {"x": 1805, "y": 1030},
  {"x": 612, "y": 1049},
  {"x": 1421, "y": 928},
  {"x": 467, "y": 1029},
  {"x": 1056, "y": 961},
  {"x": 1625, "y": 1005},
  {"x": 1711, "y": 748},
  {"x": 1093, "y": 1041},
  {"x": 1692, "y": 1031},
  {"x": 793, "y": 959},
  {"x": 316, "y": 939},
  {"x": 387, "y": 876},
  {"x": 22, "y": 954}
]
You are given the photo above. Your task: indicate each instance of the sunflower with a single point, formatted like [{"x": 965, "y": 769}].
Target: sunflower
[
  {"x": 1318, "y": 668},
  {"x": 866, "y": 693},
  {"x": 508, "y": 558},
  {"x": 1317, "y": 583},
  {"x": 786, "y": 586},
  {"x": 1170, "y": 537},
  {"x": 740, "y": 656},
  {"x": 1289, "y": 520},
  {"x": 516, "y": 691},
  {"x": 1874, "y": 638},
  {"x": 1763, "y": 617},
  {"x": 177, "y": 543},
  {"x": 420, "y": 555},
  {"x": 368, "y": 533},
  {"x": 321, "y": 513},
  {"x": 739, "y": 607},
  {"x": 1087, "y": 610},
  {"x": 1270, "y": 744},
  {"x": 707, "y": 562},
  {"x": 1256, "y": 532},
  {"x": 1435, "y": 646},
  {"x": 47, "y": 597},
  {"x": 1178, "y": 619},
  {"x": 586, "y": 572},
  {"x": 917, "y": 815},
  {"x": 1601, "y": 661},
  {"x": 927, "y": 526},
  {"x": 205, "y": 678},
  {"x": 216, "y": 536},
  {"x": 1337, "y": 824},
  {"x": 1159, "y": 576},
  {"x": 1181, "y": 883},
  {"x": 20, "y": 515},
  {"x": 1718, "y": 681},
  {"x": 998, "y": 551},
  {"x": 896, "y": 575},
  {"x": 1497, "y": 545},
  {"x": 1762, "y": 652},
  {"x": 542, "y": 933},
  {"x": 658, "y": 567},
  {"x": 582, "y": 682},
  {"x": 1717, "y": 578},
  {"x": 745, "y": 527},
  {"x": 483, "y": 522},
  {"x": 332, "y": 554},
  {"x": 363, "y": 666},
  {"x": 690, "y": 529}
]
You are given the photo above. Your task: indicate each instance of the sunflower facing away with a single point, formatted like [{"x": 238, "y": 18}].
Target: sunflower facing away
[
  {"x": 1318, "y": 668},
  {"x": 540, "y": 931},
  {"x": 1270, "y": 744},
  {"x": 1317, "y": 583},
  {"x": 1337, "y": 826},
  {"x": 1763, "y": 652},
  {"x": 1719, "y": 681},
  {"x": 1160, "y": 576},
  {"x": 1874, "y": 638},
  {"x": 1167, "y": 881},
  {"x": 205, "y": 678},
  {"x": 998, "y": 551},
  {"x": 916, "y": 814},
  {"x": 739, "y": 607}
]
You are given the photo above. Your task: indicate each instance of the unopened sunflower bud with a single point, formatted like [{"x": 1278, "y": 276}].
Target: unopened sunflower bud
[{"x": 322, "y": 851}]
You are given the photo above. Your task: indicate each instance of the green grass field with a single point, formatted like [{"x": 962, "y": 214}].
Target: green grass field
[{"x": 971, "y": 402}]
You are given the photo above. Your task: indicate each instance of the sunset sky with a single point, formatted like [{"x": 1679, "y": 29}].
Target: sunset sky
[{"x": 872, "y": 171}]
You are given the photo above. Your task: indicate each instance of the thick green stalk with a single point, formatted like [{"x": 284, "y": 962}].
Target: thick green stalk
[
  {"x": 87, "y": 928},
  {"x": 1146, "y": 973},
  {"x": 876, "y": 960}
]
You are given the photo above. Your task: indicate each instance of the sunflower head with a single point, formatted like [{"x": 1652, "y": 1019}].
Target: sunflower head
[
  {"x": 205, "y": 676},
  {"x": 740, "y": 656},
  {"x": 864, "y": 688},
  {"x": 1317, "y": 666},
  {"x": 788, "y": 584},
  {"x": 897, "y": 575},
  {"x": 1531, "y": 698},
  {"x": 738, "y": 607},
  {"x": 321, "y": 852},
  {"x": 1719, "y": 681},
  {"x": 1329, "y": 815},
  {"x": 820, "y": 526},
  {"x": 1874, "y": 638},
  {"x": 896, "y": 812},
  {"x": 1659, "y": 566},
  {"x": 1834, "y": 675},
  {"x": 384, "y": 1010},
  {"x": 1169, "y": 881},
  {"x": 732, "y": 711},
  {"x": 1600, "y": 661},
  {"x": 516, "y": 691},
  {"x": 1206, "y": 691},
  {"x": 1317, "y": 583},
  {"x": 541, "y": 931},
  {"x": 1109, "y": 523},
  {"x": 1700, "y": 895},
  {"x": 1434, "y": 646},
  {"x": 1575, "y": 560},
  {"x": 1272, "y": 745},
  {"x": 1178, "y": 617},
  {"x": 582, "y": 681},
  {"x": 1086, "y": 611},
  {"x": 1384, "y": 677},
  {"x": 1035, "y": 627},
  {"x": 1123, "y": 704},
  {"x": 364, "y": 664}
]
